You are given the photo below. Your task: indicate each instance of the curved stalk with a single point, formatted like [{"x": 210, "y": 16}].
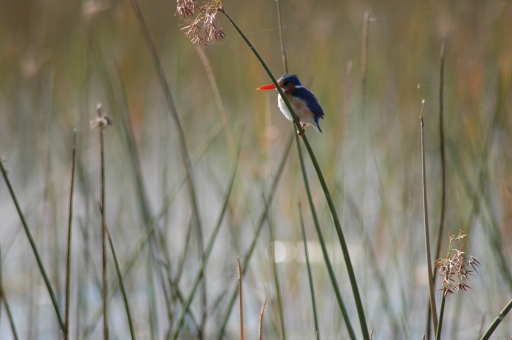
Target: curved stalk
[{"x": 337, "y": 224}]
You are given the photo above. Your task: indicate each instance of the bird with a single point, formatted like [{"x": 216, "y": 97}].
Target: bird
[{"x": 303, "y": 101}]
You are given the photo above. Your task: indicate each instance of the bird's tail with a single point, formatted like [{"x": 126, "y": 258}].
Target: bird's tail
[{"x": 317, "y": 127}]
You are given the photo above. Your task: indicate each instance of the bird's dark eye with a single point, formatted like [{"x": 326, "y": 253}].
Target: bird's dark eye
[{"x": 285, "y": 83}]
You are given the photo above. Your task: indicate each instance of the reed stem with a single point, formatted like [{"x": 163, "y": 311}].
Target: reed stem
[
  {"x": 70, "y": 222},
  {"x": 426, "y": 228},
  {"x": 337, "y": 224}
]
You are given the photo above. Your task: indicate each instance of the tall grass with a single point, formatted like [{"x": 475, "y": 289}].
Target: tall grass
[{"x": 199, "y": 170}]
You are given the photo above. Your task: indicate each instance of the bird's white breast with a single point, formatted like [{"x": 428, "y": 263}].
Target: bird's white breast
[
  {"x": 301, "y": 110},
  {"x": 284, "y": 108}
]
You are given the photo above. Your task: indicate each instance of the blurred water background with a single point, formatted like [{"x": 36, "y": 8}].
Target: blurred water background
[{"x": 59, "y": 59}]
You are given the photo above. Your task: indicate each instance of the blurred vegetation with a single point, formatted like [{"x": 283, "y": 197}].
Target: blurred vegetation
[{"x": 60, "y": 59}]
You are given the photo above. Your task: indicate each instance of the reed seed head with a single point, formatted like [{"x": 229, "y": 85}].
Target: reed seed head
[
  {"x": 455, "y": 267},
  {"x": 101, "y": 121},
  {"x": 202, "y": 29}
]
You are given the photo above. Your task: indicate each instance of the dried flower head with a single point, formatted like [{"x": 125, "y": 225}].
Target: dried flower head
[
  {"x": 185, "y": 8},
  {"x": 455, "y": 266},
  {"x": 203, "y": 29},
  {"x": 101, "y": 121}
]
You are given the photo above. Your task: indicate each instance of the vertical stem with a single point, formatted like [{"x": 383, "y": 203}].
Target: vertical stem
[
  {"x": 441, "y": 150},
  {"x": 325, "y": 189},
  {"x": 346, "y": 101},
  {"x": 443, "y": 166},
  {"x": 34, "y": 248},
  {"x": 323, "y": 245},
  {"x": 279, "y": 299},
  {"x": 441, "y": 146},
  {"x": 217, "y": 98},
  {"x": 441, "y": 313},
  {"x": 364, "y": 61},
  {"x": 364, "y": 70},
  {"x": 280, "y": 26},
  {"x": 183, "y": 147},
  {"x": 261, "y": 222},
  {"x": 363, "y": 130},
  {"x": 271, "y": 231},
  {"x": 427, "y": 234},
  {"x": 70, "y": 221},
  {"x": 310, "y": 275},
  {"x": 241, "y": 299},
  {"x": 186, "y": 302},
  {"x": 121, "y": 284},
  {"x": 7, "y": 306},
  {"x": 103, "y": 230},
  {"x": 262, "y": 313}
]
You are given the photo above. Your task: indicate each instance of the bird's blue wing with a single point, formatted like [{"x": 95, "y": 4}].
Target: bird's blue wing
[{"x": 310, "y": 99}]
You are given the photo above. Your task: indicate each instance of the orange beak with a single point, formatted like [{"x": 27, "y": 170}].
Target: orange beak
[{"x": 267, "y": 87}]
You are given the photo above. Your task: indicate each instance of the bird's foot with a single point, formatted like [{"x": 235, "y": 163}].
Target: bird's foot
[{"x": 302, "y": 125}]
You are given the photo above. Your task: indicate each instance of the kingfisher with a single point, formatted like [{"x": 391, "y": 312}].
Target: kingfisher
[{"x": 303, "y": 101}]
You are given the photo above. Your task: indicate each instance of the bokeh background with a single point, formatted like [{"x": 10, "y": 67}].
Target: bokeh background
[{"x": 59, "y": 59}]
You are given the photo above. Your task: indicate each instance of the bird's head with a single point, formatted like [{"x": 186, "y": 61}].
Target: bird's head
[{"x": 286, "y": 82}]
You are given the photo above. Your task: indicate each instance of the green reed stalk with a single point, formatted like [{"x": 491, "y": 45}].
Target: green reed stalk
[
  {"x": 310, "y": 275},
  {"x": 262, "y": 220},
  {"x": 275, "y": 273},
  {"x": 281, "y": 40},
  {"x": 426, "y": 228},
  {"x": 125, "y": 130},
  {"x": 121, "y": 284},
  {"x": 34, "y": 249},
  {"x": 441, "y": 314},
  {"x": 103, "y": 230},
  {"x": 182, "y": 143},
  {"x": 497, "y": 321},
  {"x": 70, "y": 221},
  {"x": 440, "y": 231},
  {"x": 385, "y": 299},
  {"x": 441, "y": 149},
  {"x": 241, "y": 299},
  {"x": 4, "y": 298},
  {"x": 208, "y": 251},
  {"x": 337, "y": 224},
  {"x": 325, "y": 253},
  {"x": 152, "y": 224}
]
